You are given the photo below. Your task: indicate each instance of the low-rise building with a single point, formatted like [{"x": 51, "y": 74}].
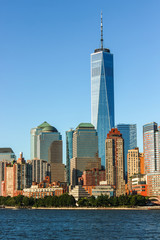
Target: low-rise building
[
  {"x": 103, "y": 189},
  {"x": 43, "y": 189},
  {"x": 79, "y": 192},
  {"x": 137, "y": 184},
  {"x": 37, "y": 192}
]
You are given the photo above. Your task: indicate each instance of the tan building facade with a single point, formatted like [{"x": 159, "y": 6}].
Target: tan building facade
[{"x": 135, "y": 163}]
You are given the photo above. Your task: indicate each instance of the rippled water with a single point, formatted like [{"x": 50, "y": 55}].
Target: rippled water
[{"x": 79, "y": 224}]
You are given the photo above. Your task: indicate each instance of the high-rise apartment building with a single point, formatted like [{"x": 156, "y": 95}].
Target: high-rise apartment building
[
  {"x": 129, "y": 134},
  {"x": 69, "y": 152},
  {"x": 17, "y": 176},
  {"x": 115, "y": 161},
  {"x": 85, "y": 151},
  {"x": 151, "y": 147},
  {"x": 40, "y": 170},
  {"x": 102, "y": 94},
  {"x": 41, "y": 139},
  {"x": 2, "y": 169},
  {"x": 135, "y": 162}
]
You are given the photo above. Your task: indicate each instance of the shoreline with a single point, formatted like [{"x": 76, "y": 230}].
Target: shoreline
[{"x": 84, "y": 208}]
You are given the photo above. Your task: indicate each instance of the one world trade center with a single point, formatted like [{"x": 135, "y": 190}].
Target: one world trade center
[{"x": 102, "y": 94}]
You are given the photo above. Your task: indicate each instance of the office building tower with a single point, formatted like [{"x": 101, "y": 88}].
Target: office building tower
[
  {"x": 40, "y": 170},
  {"x": 41, "y": 139},
  {"x": 17, "y": 176},
  {"x": 85, "y": 151},
  {"x": 102, "y": 94},
  {"x": 129, "y": 134},
  {"x": 135, "y": 162},
  {"x": 114, "y": 146},
  {"x": 55, "y": 152},
  {"x": 69, "y": 152},
  {"x": 55, "y": 160},
  {"x": 151, "y": 147},
  {"x": 7, "y": 154}
]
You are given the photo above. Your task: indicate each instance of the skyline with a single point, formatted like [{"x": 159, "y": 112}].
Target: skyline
[{"x": 37, "y": 45}]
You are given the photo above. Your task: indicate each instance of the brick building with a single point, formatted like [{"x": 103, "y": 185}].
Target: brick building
[
  {"x": 92, "y": 177},
  {"x": 43, "y": 189},
  {"x": 114, "y": 146},
  {"x": 17, "y": 176}
]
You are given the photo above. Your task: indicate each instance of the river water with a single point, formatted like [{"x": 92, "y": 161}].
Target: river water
[{"x": 79, "y": 224}]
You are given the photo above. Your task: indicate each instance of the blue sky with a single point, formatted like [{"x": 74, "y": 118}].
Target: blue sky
[{"x": 45, "y": 49}]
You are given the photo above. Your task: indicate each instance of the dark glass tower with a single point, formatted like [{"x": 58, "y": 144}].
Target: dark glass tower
[
  {"x": 69, "y": 152},
  {"x": 102, "y": 94},
  {"x": 129, "y": 134}
]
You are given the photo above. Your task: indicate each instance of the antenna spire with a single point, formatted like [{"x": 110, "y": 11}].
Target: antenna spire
[{"x": 101, "y": 32}]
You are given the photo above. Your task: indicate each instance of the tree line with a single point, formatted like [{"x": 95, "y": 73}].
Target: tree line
[
  {"x": 66, "y": 200},
  {"x": 105, "y": 201}
]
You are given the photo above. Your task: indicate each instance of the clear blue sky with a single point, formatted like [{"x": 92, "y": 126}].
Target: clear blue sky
[{"x": 45, "y": 49}]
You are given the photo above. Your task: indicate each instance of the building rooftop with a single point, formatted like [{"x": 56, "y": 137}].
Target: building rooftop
[
  {"x": 6, "y": 150},
  {"x": 85, "y": 125},
  {"x": 47, "y": 127},
  {"x": 101, "y": 50}
]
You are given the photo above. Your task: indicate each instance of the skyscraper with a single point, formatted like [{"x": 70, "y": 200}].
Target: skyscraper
[
  {"x": 40, "y": 169},
  {"x": 114, "y": 145},
  {"x": 129, "y": 134},
  {"x": 55, "y": 160},
  {"x": 85, "y": 151},
  {"x": 41, "y": 139},
  {"x": 69, "y": 152},
  {"x": 102, "y": 94},
  {"x": 151, "y": 147}
]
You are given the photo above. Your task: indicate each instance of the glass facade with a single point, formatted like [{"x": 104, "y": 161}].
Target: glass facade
[
  {"x": 102, "y": 96},
  {"x": 41, "y": 139},
  {"x": 69, "y": 152},
  {"x": 129, "y": 134},
  {"x": 151, "y": 147},
  {"x": 85, "y": 142}
]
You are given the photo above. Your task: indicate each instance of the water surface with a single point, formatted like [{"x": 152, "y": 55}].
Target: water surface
[{"x": 79, "y": 224}]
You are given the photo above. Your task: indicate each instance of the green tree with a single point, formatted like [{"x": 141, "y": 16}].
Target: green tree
[
  {"x": 83, "y": 202},
  {"x": 92, "y": 201},
  {"x": 25, "y": 201},
  {"x": 55, "y": 201},
  {"x": 133, "y": 201}
]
